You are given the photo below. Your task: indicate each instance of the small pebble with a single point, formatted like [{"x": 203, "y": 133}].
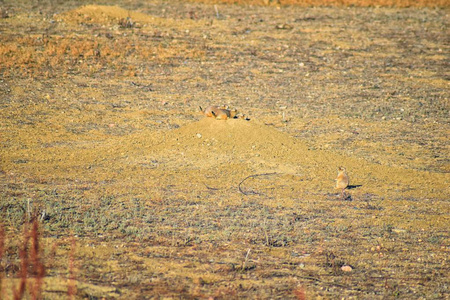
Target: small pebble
[{"x": 346, "y": 268}]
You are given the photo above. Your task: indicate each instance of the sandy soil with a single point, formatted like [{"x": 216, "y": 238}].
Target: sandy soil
[{"x": 101, "y": 137}]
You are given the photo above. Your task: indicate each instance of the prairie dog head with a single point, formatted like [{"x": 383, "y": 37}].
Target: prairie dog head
[{"x": 341, "y": 170}]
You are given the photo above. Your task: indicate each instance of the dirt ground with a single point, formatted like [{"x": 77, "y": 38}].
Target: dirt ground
[{"x": 140, "y": 196}]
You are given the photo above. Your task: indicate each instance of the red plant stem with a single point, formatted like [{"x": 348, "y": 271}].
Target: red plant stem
[
  {"x": 38, "y": 266},
  {"x": 71, "y": 287},
  {"x": 23, "y": 254},
  {"x": 2, "y": 248}
]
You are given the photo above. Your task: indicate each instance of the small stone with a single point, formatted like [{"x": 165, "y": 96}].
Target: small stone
[
  {"x": 199, "y": 135},
  {"x": 346, "y": 268}
]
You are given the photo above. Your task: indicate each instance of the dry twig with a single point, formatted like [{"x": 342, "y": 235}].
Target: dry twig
[{"x": 252, "y": 176}]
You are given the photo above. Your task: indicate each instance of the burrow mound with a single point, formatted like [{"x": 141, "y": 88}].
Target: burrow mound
[
  {"x": 112, "y": 15},
  {"x": 101, "y": 14},
  {"x": 237, "y": 148},
  {"x": 211, "y": 143}
]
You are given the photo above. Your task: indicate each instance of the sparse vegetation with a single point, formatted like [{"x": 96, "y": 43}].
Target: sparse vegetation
[
  {"x": 112, "y": 185},
  {"x": 338, "y": 3}
]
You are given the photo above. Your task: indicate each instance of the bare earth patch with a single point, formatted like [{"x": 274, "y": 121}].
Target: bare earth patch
[{"x": 138, "y": 195}]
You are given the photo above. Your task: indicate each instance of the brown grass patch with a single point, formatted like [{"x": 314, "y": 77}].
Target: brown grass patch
[
  {"x": 359, "y": 3},
  {"x": 38, "y": 55}
]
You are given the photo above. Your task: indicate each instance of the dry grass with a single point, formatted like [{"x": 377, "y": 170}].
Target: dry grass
[
  {"x": 101, "y": 140},
  {"x": 48, "y": 56},
  {"x": 344, "y": 3}
]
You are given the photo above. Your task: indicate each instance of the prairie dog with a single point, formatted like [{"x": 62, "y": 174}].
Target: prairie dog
[
  {"x": 223, "y": 114},
  {"x": 342, "y": 180},
  {"x": 208, "y": 111},
  {"x": 219, "y": 112}
]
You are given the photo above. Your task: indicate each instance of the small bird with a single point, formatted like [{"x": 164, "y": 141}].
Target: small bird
[{"x": 342, "y": 180}]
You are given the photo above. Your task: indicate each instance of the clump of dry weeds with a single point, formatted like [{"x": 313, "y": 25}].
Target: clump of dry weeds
[{"x": 31, "y": 262}]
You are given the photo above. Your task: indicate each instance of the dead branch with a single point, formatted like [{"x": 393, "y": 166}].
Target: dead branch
[{"x": 252, "y": 176}]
